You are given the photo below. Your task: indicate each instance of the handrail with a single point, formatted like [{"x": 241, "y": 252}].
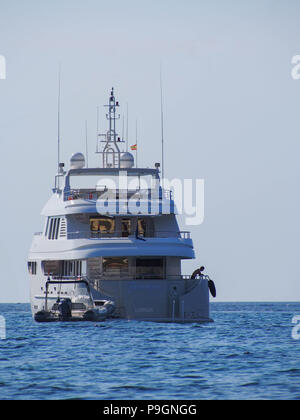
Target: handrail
[
  {"x": 101, "y": 276},
  {"x": 93, "y": 194},
  {"x": 119, "y": 235},
  {"x": 144, "y": 277}
]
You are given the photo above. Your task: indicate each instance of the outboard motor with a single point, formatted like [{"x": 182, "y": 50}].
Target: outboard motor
[{"x": 65, "y": 309}]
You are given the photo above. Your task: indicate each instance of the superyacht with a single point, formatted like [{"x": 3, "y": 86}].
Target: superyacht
[{"x": 111, "y": 246}]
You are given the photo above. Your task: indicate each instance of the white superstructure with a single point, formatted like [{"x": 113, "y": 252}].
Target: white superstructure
[{"x": 114, "y": 230}]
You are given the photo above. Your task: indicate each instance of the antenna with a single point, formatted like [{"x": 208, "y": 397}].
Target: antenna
[
  {"x": 86, "y": 144},
  {"x": 97, "y": 121},
  {"x": 60, "y": 166},
  {"x": 123, "y": 127},
  {"x": 111, "y": 153},
  {"x": 58, "y": 118},
  {"x": 97, "y": 128},
  {"x": 136, "y": 142},
  {"x": 162, "y": 129},
  {"x": 127, "y": 127}
]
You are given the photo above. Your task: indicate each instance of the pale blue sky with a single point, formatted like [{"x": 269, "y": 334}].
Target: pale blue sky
[{"x": 231, "y": 117}]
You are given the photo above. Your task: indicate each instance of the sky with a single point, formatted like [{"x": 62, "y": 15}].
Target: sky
[{"x": 231, "y": 117}]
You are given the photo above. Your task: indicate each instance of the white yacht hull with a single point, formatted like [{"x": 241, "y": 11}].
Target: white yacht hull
[{"x": 114, "y": 229}]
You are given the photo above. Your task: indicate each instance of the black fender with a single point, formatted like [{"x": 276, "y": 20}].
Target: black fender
[
  {"x": 212, "y": 288},
  {"x": 210, "y": 283}
]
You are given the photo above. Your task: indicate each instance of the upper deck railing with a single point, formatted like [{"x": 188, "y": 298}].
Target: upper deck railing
[
  {"x": 122, "y": 235},
  {"x": 124, "y": 276},
  {"x": 117, "y": 194}
]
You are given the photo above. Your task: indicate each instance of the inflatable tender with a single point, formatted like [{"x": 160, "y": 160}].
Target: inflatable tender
[{"x": 66, "y": 310}]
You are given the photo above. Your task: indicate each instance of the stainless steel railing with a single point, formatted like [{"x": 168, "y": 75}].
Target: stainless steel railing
[
  {"x": 120, "y": 276},
  {"x": 123, "y": 235},
  {"x": 76, "y": 194}
]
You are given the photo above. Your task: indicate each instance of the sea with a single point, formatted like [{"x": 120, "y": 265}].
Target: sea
[{"x": 250, "y": 352}]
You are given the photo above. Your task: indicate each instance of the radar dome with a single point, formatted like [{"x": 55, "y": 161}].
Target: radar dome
[
  {"x": 77, "y": 161},
  {"x": 126, "y": 160}
]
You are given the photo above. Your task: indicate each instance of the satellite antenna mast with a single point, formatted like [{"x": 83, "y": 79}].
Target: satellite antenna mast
[
  {"x": 86, "y": 144},
  {"x": 123, "y": 127},
  {"x": 58, "y": 118},
  {"x": 60, "y": 166},
  {"x": 127, "y": 127},
  {"x": 111, "y": 153},
  {"x": 162, "y": 129},
  {"x": 136, "y": 142}
]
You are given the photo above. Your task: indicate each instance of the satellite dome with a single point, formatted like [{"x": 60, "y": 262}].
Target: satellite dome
[
  {"x": 126, "y": 160},
  {"x": 77, "y": 161}
]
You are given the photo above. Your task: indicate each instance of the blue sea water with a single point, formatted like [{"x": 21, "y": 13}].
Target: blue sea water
[{"x": 247, "y": 353}]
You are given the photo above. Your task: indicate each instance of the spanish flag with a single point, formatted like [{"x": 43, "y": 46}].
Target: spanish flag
[{"x": 134, "y": 147}]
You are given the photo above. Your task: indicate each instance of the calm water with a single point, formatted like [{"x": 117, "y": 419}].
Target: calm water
[{"x": 247, "y": 353}]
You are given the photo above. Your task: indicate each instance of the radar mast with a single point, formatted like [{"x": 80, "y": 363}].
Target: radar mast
[{"x": 111, "y": 153}]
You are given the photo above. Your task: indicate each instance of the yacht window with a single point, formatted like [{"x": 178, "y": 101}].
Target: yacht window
[
  {"x": 67, "y": 268},
  {"x": 102, "y": 225},
  {"x": 126, "y": 227},
  {"x": 142, "y": 224},
  {"x": 47, "y": 225},
  {"x": 31, "y": 267},
  {"x": 51, "y": 267},
  {"x": 57, "y": 228},
  {"x": 149, "y": 267},
  {"x": 53, "y": 228},
  {"x": 50, "y": 229},
  {"x": 71, "y": 268},
  {"x": 115, "y": 266}
]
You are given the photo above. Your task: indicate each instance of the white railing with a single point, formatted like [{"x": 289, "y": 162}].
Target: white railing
[
  {"x": 122, "y": 235},
  {"x": 121, "y": 276},
  {"x": 91, "y": 194},
  {"x": 171, "y": 234}
]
